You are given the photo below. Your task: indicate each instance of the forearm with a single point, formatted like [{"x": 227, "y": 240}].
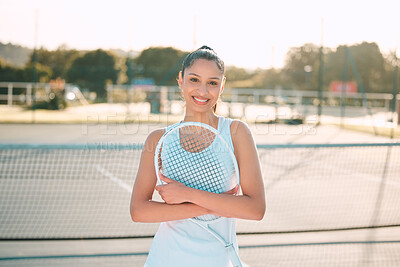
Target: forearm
[
  {"x": 226, "y": 205},
  {"x": 154, "y": 212}
]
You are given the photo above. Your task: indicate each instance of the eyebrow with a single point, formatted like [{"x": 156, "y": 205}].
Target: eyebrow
[{"x": 191, "y": 73}]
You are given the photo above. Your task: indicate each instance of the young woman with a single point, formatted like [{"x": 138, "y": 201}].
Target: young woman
[{"x": 180, "y": 242}]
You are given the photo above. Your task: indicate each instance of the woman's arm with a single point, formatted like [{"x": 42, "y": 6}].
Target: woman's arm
[
  {"x": 250, "y": 205},
  {"x": 143, "y": 208}
]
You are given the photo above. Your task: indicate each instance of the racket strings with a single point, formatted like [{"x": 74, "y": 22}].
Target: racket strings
[
  {"x": 195, "y": 139},
  {"x": 190, "y": 156}
]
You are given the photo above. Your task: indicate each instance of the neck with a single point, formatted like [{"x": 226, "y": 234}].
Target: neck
[{"x": 208, "y": 118}]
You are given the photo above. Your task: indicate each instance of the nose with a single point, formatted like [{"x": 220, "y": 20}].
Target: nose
[{"x": 202, "y": 90}]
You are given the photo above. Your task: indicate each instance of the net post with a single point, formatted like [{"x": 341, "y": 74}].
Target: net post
[
  {"x": 394, "y": 99},
  {"x": 343, "y": 95},
  {"x": 10, "y": 94},
  {"x": 320, "y": 83}
]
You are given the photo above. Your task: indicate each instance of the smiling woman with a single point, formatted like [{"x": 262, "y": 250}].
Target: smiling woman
[
  {"x": 197, "y": 163},
  {"x": 207, "y": 61}
]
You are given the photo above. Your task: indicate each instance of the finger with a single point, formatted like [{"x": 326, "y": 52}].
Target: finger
[
  {"x": 235, "y": 189},
  {"x": 158, "y": 187},
  {"x": 165, "y": 179}
]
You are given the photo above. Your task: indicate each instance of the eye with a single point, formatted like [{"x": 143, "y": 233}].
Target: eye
[
  {"x": 213, "y": 83},
  {"x": 194, "y": 80}
]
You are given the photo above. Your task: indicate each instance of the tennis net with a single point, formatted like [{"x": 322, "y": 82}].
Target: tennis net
[{"x": 83, "y": 191}]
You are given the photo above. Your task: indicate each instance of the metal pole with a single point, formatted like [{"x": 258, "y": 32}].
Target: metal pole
[
  {"x": 320, "y": 83},
  {"x": 360, "y": 85},
  {"x": 10, "y": 94},
  {"x": 343, "y": 95},
  {"x": 34, "y": 67},
  {"x": 320, "y": 73},
  {"x": 28, "y": 94},
  {"x": 394, "y": 93}
]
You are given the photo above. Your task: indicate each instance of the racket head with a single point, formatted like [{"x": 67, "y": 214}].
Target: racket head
[{"x": 197, "y": 155}]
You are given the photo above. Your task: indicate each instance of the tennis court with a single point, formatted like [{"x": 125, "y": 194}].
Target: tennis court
[{"x": 332, "y": 197}]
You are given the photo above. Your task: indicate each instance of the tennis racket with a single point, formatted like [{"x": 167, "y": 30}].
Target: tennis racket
[{"x": 196, "y": 155}]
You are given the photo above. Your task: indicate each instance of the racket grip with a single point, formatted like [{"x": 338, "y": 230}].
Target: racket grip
[{"x": 233, "y": 255}]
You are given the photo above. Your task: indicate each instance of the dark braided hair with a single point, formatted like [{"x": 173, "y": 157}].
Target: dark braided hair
[{"x": 204, "y": 52}]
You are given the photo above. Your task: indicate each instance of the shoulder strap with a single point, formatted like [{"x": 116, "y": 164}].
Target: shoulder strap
[{"x": 225, "y": 130}]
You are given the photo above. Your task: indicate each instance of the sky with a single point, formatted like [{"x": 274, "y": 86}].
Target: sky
[{"x": 247, "y": 33}]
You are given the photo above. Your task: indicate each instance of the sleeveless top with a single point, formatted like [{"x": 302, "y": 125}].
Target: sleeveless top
[{"x": 183, "y": 243}]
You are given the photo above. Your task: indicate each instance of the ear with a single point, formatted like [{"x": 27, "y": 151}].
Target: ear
[
  {"x": 180, "y": 80},
  {"x": 222, "y": 85}
]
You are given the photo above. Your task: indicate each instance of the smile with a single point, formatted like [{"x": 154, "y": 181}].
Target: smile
[{"x": 200, "y": 100}]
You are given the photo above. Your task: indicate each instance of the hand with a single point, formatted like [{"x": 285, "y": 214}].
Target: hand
[{"x": 173, "y": 192}]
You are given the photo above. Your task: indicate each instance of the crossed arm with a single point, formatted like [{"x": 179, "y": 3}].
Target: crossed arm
[{"x": 182, "y": 202}]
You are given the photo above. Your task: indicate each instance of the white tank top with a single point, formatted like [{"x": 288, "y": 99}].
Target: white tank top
[{"x": 183, "y": 243}]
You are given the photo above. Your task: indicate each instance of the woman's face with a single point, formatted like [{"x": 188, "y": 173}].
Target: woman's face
[{"x": 201, "y": 85}]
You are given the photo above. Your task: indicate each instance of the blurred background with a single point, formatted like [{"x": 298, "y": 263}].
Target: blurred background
[{"x": 82, "y": 83}]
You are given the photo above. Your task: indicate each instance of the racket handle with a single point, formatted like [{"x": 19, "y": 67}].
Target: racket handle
[{"x": 233, "y": 256}]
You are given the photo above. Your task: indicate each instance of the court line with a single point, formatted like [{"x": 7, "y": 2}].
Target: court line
[
  {"x": 322, "y": 243},
  {"x": 74, "y": 256},
  {"x": 240, "y": 247},
  {"x": 113, "y": 178}
]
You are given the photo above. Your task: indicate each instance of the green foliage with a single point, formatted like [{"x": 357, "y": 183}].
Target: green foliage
[
  {"x": 9, "y": 73},
  {"x": 93, "y": 70},
  {"x": 301, "y": 67},
  {"x": 59, "y": 60},
  {"x": 12, "y": 74},
  {"x": 233, "y": 73},
  {"x": 374, "y": 69},
  {"x": 238, "y": 77},
  {"x": 371, "y": 65},
  {"x": 270, "y": 78},
  {"x": 44, "y": 73},
  {"x": 160, "y": 63}
]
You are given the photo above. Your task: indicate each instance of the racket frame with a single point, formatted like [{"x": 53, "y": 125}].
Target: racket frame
[{"x": 233, "y": 254}]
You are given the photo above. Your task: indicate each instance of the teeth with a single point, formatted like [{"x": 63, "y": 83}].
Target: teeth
[{"x": 205, "y": 100}]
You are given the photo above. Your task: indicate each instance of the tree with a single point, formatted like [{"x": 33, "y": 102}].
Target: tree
[
  {"x": 301, "y": 67},
  {"x": 270, "y": 79},
  {"x": 59, "y": 60},
  {"x": 160, "y": 63},
  {"x": 233, "y": 73},
  {"x": 9, "y": 73},
  {"x": 93, "y": 70},
  {"x": 43, "y": 73},
  {"x": 372, "y": 67},
  {"x": 238, "y": 77},
  {"x": 12, "y": 74},
  {"x": 260, "y": 78}
]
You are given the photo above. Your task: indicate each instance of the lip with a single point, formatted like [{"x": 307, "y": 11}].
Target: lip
[{"x": 200, "y": 100}]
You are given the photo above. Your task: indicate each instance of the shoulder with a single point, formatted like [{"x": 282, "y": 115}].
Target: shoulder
[
  {"x": 152, "y": 139},
  {"x": 243, "y": 142},
  {"x": 242, "y": 137},
  {"x": 155, "y": 135},
  {"x": 239, "y": 129}
]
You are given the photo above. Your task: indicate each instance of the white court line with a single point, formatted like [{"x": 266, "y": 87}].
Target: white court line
[{"x": 113, "y": 178}]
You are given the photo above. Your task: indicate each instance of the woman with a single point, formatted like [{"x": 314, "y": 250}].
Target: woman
[{"x": 176, "y": 243}]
